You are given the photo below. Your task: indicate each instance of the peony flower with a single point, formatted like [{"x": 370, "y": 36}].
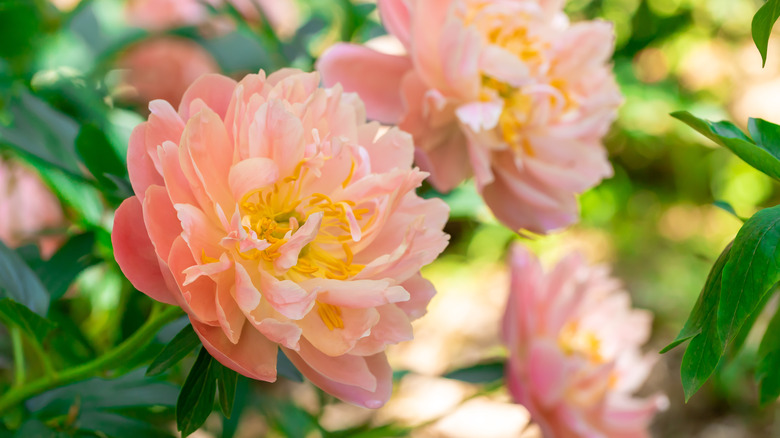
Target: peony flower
[
  {"x": 160, "y": 15},
  {"x": 164, "y": 67},
  {"x": 28, "y": 210},
  {"x": 274, "y": 215},
  {"x": 506, "y": 90},
  {"x": 574, "y": 357}
]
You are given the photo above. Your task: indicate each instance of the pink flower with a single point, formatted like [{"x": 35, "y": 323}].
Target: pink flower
[
  {"x": 274, "y": 215},
  {"x": 160, "y": 15},
  {"x": 164, "y": 67},
  {"x": 574, "y": 357},
  {"x": 504, "y": 90},
  {"x": 28, "y": 210}
]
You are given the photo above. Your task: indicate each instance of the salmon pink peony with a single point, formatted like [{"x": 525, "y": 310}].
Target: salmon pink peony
[
  {"x": 505, "y": 90},
  {"x": 275, "y": 216},
  {"x": 28, "y": 209},
  {"x": 574, "y": 357},
  {"x": 160, "y": 15},
  {"x": 163, "y": 68}
]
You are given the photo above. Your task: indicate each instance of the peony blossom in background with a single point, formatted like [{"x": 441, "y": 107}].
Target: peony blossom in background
[
  {"x": 274, "y": 215},
  {"x": 506, "y": 91},
  {"x": 163, "y": 68},
  {"x": 160, "y": 15},
  {"x": 574, "y": 350},
  {"x": 28, "y": 210}
]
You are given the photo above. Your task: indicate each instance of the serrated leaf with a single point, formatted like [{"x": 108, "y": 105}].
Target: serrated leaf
[
  {"x": 19, "y": 282},
  {"x": 33, "y": 325},
  {"x": 480, "y": 373},
  {"x": 706, "y": 305},
  {"x": 179, "y": 347},
  {"x": 286, "y": 369},
  {"x": 226, "y": 385},
  {"x": 196, "y": 399},
  {"x": 751, "y": 271},
  {"x": 66, "y": 264},
  {"x": 729, "y": 136},
  {"x": 762, "y": 25},
  {"x": 769, "y": 362}
]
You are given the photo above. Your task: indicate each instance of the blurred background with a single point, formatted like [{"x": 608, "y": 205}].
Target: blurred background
[{"x": 71, "y": 70}]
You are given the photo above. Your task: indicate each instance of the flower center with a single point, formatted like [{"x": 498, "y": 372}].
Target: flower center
[{"x": 573, "y": 340}]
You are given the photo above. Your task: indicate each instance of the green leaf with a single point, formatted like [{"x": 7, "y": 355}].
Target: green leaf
[
  {"x": 706, "y": 306},
  {"x": 41, "y": 131},
  {"x": 35, "y": 326},
  {"x": 286, "y": 369},
  {"x": 751, "y": 271},
  {"x": 179, "y": 347},
  {"x": 19, "y": 282},
  {"x": 728, "y": 208},
  {"x": 226, "y": 383},
  {"x": 769, "y": 362},
  {"x": 705, "y": 349},
  {"x": 762, "y": 25},
  {"x": 99, "y": 156},
  {"x": 129, "y": 391},
  {"x": 196, "y": 399},
  {"x": 67, "y": 263},
  {"x": 117, "y": 426},
  {"x": 729, "y": 136},
  {"x": 481, "y": 373},
  {"x": 765, "y": 134}
]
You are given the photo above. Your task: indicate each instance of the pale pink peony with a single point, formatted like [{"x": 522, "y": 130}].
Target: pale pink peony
[
  {"x": 574, "y": 350},
  {"x": 274, "y": 215},
  {"x": 160, "y": 15},
  {"x": 29, "y": 211},
  {"x": 506, "y": 90},
  {"x": 163, "y": 68}
]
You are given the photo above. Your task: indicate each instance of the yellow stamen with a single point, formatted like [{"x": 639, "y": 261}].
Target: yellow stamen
[{"x": 331, "y": 315}]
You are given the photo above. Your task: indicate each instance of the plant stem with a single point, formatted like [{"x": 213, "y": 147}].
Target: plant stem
[
  {"x": 109, "y": 360},
  {"x": 20, "y": 367}
]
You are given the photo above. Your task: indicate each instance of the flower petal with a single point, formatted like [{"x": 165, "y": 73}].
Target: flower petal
[
  {"x": 135, "y": 253},
  {"x": 253, "y": 356},
  {"x": 375, "y": 77}
]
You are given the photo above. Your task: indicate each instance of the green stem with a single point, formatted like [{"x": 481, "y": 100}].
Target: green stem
[
  {"x": 110, "y": 360},
  {"x": 20, "y": 367}
]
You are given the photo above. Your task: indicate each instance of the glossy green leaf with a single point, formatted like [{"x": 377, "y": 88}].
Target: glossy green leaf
[
  {"x": 35, "y": 326},
  {"x": 286, "y": 369},
  {"x": 226, "y": 384},
  {"x": 769, "y": 362},
  {"x": 765, "y": 134},
  {"x": 751, "y": 271},
  {"x": 66, "y": 264},
  {"x": 180, "y": 346},
  {"x": 729, "y": 136},
  {"x": 706, "y": 306},
  {"x": 480, "y": 373},
  {"x": 19, "y": 282},
  {"x": 762, "y": 25},
  {"x": 196, "y": 399},
  {"x": 705, "y": 349}
]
